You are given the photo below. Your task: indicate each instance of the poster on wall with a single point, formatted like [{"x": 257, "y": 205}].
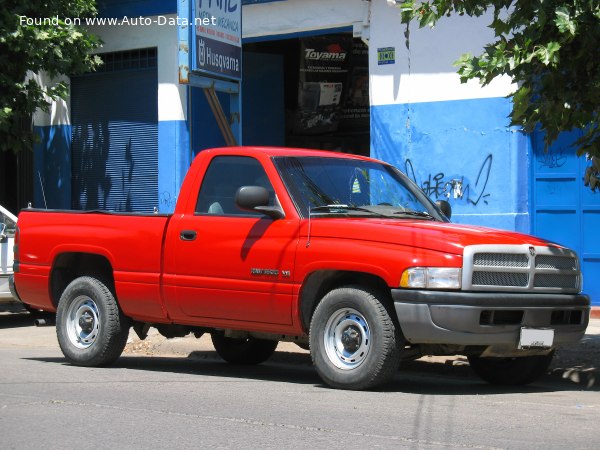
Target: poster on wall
[
  {"x": 324, "y": 64},
  {"x": 356, "y": 109},
  {"x": 218, "y": 37}
]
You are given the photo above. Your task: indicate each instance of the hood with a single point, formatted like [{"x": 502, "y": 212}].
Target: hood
[{"x": 437, "y": 236}]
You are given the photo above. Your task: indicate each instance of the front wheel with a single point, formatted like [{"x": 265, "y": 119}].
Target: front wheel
[
  {"x": 354, "y": 342},
  {"x": 91, "y": 329},
  {"x": 248, "y": 350},
  {"x": 511, "y": 371}
]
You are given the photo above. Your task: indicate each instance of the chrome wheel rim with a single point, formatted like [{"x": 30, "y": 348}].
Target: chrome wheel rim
[
  {"x": 347, "y": 339},
  {"x": 83, "y": 322}
]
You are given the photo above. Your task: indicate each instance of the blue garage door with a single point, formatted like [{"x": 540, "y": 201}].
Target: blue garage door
[
  {"x": 564, "y": 210},
  {"x": 115, "y": 134}
]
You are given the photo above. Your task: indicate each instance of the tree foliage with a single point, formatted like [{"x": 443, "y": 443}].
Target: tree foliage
[
  {"x": 36, "y": 37},
  {"x": 550, "y": 49}
]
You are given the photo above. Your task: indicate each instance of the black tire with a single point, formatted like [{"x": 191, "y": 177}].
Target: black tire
[
  {"x": 91, "y": 329},
  {"x": 511, "y": 371},
  {"x": 354, "y": 342},
  {"x": 245, "y": 351}
]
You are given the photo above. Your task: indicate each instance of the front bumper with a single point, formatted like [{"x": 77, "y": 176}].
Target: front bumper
[{"x": 488, "y": 318}]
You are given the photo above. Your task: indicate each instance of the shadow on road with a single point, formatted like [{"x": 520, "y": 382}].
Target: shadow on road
[
  {"x": 415, "y": 377},
  {"x": 17, "y": 319}
]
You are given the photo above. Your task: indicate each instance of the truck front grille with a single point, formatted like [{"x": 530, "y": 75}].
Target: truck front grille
[{"x": 520, "y": 268}]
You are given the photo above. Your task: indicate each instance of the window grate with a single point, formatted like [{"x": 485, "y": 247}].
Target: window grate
[{"x": 142, "y": 58}]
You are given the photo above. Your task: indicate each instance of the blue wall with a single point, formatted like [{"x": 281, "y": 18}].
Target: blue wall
[
  {"x": 52, "y": 162},
  {"x": 173, "y": 161},
  {"x": 466, "y": 143}
]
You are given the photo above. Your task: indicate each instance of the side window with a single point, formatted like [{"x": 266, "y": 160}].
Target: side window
[{"x": 224, "y": 176}]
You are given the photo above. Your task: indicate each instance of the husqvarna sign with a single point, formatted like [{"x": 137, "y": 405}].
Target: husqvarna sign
[{"x": 219, "y": 44}]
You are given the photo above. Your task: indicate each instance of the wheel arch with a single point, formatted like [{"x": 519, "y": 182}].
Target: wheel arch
[
  {"x": 71, "y": 265},
  {"x": 319, "y": 283}
]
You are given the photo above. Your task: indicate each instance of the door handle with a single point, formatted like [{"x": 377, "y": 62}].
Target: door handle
[{"x": 187, "y": 235}]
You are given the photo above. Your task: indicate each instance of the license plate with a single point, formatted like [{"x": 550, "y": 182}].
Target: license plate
[{"x": 536, "y": 338}]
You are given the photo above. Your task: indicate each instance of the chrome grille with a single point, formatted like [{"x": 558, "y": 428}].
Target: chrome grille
[
  {"x": 555, "y": 281},
  {"x": 520, "y": 268},
  {"x": 500, "y": 279},
  {"x": 555, "y": 262},
  {"x": 500, "y": 260}
]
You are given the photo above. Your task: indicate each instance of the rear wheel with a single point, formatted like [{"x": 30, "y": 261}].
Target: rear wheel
[
  {"x": 248, "y": 350},
  {"x": 511, "y": 371},
  {"x": 91, "y": 329},
  {"x": 354, "y": 342}
]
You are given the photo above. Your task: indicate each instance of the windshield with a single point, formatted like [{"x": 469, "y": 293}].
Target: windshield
[{"x": 334, "y": 186}]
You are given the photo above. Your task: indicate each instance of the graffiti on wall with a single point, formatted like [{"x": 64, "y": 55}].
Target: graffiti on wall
[
  {"x": 552, "y": 159},
  {"x": 439, "y": 186},
  {"x": 167, "y": 201}
]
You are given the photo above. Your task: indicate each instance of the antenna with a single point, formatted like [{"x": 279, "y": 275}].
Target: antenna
[
  {"x": 43, "y": 193},
  {"x": 309, "y": 225}
]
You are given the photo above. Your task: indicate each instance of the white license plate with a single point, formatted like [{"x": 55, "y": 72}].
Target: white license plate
[{"x": 536, "y": 338}]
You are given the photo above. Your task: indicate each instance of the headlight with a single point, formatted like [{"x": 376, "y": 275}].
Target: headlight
[{"x": 431, "y": 278}]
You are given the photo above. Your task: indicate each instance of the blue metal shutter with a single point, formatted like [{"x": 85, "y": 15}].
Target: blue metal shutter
[
  {"x": 115, "y": 140},
  {"x": 564, "y": 210}
]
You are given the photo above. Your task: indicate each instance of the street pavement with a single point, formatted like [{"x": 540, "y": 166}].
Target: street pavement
[
  {"x": 575, "y": 364},
  {"x": 177, "y": 393}
]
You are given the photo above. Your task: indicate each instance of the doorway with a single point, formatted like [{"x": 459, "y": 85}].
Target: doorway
[{"x": 307, "y": 92}]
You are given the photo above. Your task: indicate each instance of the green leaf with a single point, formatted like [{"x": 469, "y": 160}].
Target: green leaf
[
  {"x": 553, "y": 49},
  {"x": 563, "y": 21},
  {"x": 53, "y": 49}
]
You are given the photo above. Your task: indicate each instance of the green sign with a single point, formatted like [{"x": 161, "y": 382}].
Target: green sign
[{"x": 386, "y": 55}]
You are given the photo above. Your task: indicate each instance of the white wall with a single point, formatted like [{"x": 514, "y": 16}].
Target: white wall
[
  {"x": 295, "y": 16},
  {"x": 426, "y": 73},
  {"x": 172, "y": 97},
  {"x": 58, "y": 113}
]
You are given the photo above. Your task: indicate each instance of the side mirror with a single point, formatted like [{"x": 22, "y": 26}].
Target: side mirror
[
  {"x": 444, "y": 207},
  {"x": 256, "y": 198}
]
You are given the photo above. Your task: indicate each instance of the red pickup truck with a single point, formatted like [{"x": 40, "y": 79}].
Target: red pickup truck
[{"x": 341, "y": 254}]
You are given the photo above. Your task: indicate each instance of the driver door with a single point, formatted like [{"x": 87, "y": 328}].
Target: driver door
[{"x": 231, "y": 264}]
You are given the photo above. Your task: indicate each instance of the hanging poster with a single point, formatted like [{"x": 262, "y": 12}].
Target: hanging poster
[{"x": 324, "y": 64}]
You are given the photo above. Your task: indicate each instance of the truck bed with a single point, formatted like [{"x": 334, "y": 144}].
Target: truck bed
[{"x": 130, "y": 243}]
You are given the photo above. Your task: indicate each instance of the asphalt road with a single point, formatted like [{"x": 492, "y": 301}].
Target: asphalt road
[{"x": 200, "y": 402}]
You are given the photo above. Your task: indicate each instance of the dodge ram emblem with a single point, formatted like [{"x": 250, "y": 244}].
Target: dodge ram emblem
[{"x": 532, "y": 251}]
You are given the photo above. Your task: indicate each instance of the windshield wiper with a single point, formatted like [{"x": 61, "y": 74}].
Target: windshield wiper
[
  {"x": 415, "y": 214},
  {"x": 338, "y": 208}
]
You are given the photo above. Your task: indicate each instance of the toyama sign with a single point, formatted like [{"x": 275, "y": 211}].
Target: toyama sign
[{"x": 218, "y": 44}]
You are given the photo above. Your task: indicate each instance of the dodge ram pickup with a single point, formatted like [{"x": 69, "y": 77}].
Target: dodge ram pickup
[{"x": 343, "y": 255}]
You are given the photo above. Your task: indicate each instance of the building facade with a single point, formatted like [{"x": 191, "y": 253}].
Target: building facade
[{"x": 125, "y": 138}]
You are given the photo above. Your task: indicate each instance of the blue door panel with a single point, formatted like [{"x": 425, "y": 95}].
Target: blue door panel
[
  {"x": 559, "y": 193},
  {"x": 561, "y": 227},
  {"x": 563, "y": 209},
  {"x": 591, "y": 279},
  {"x": 591, "y": 229}
]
